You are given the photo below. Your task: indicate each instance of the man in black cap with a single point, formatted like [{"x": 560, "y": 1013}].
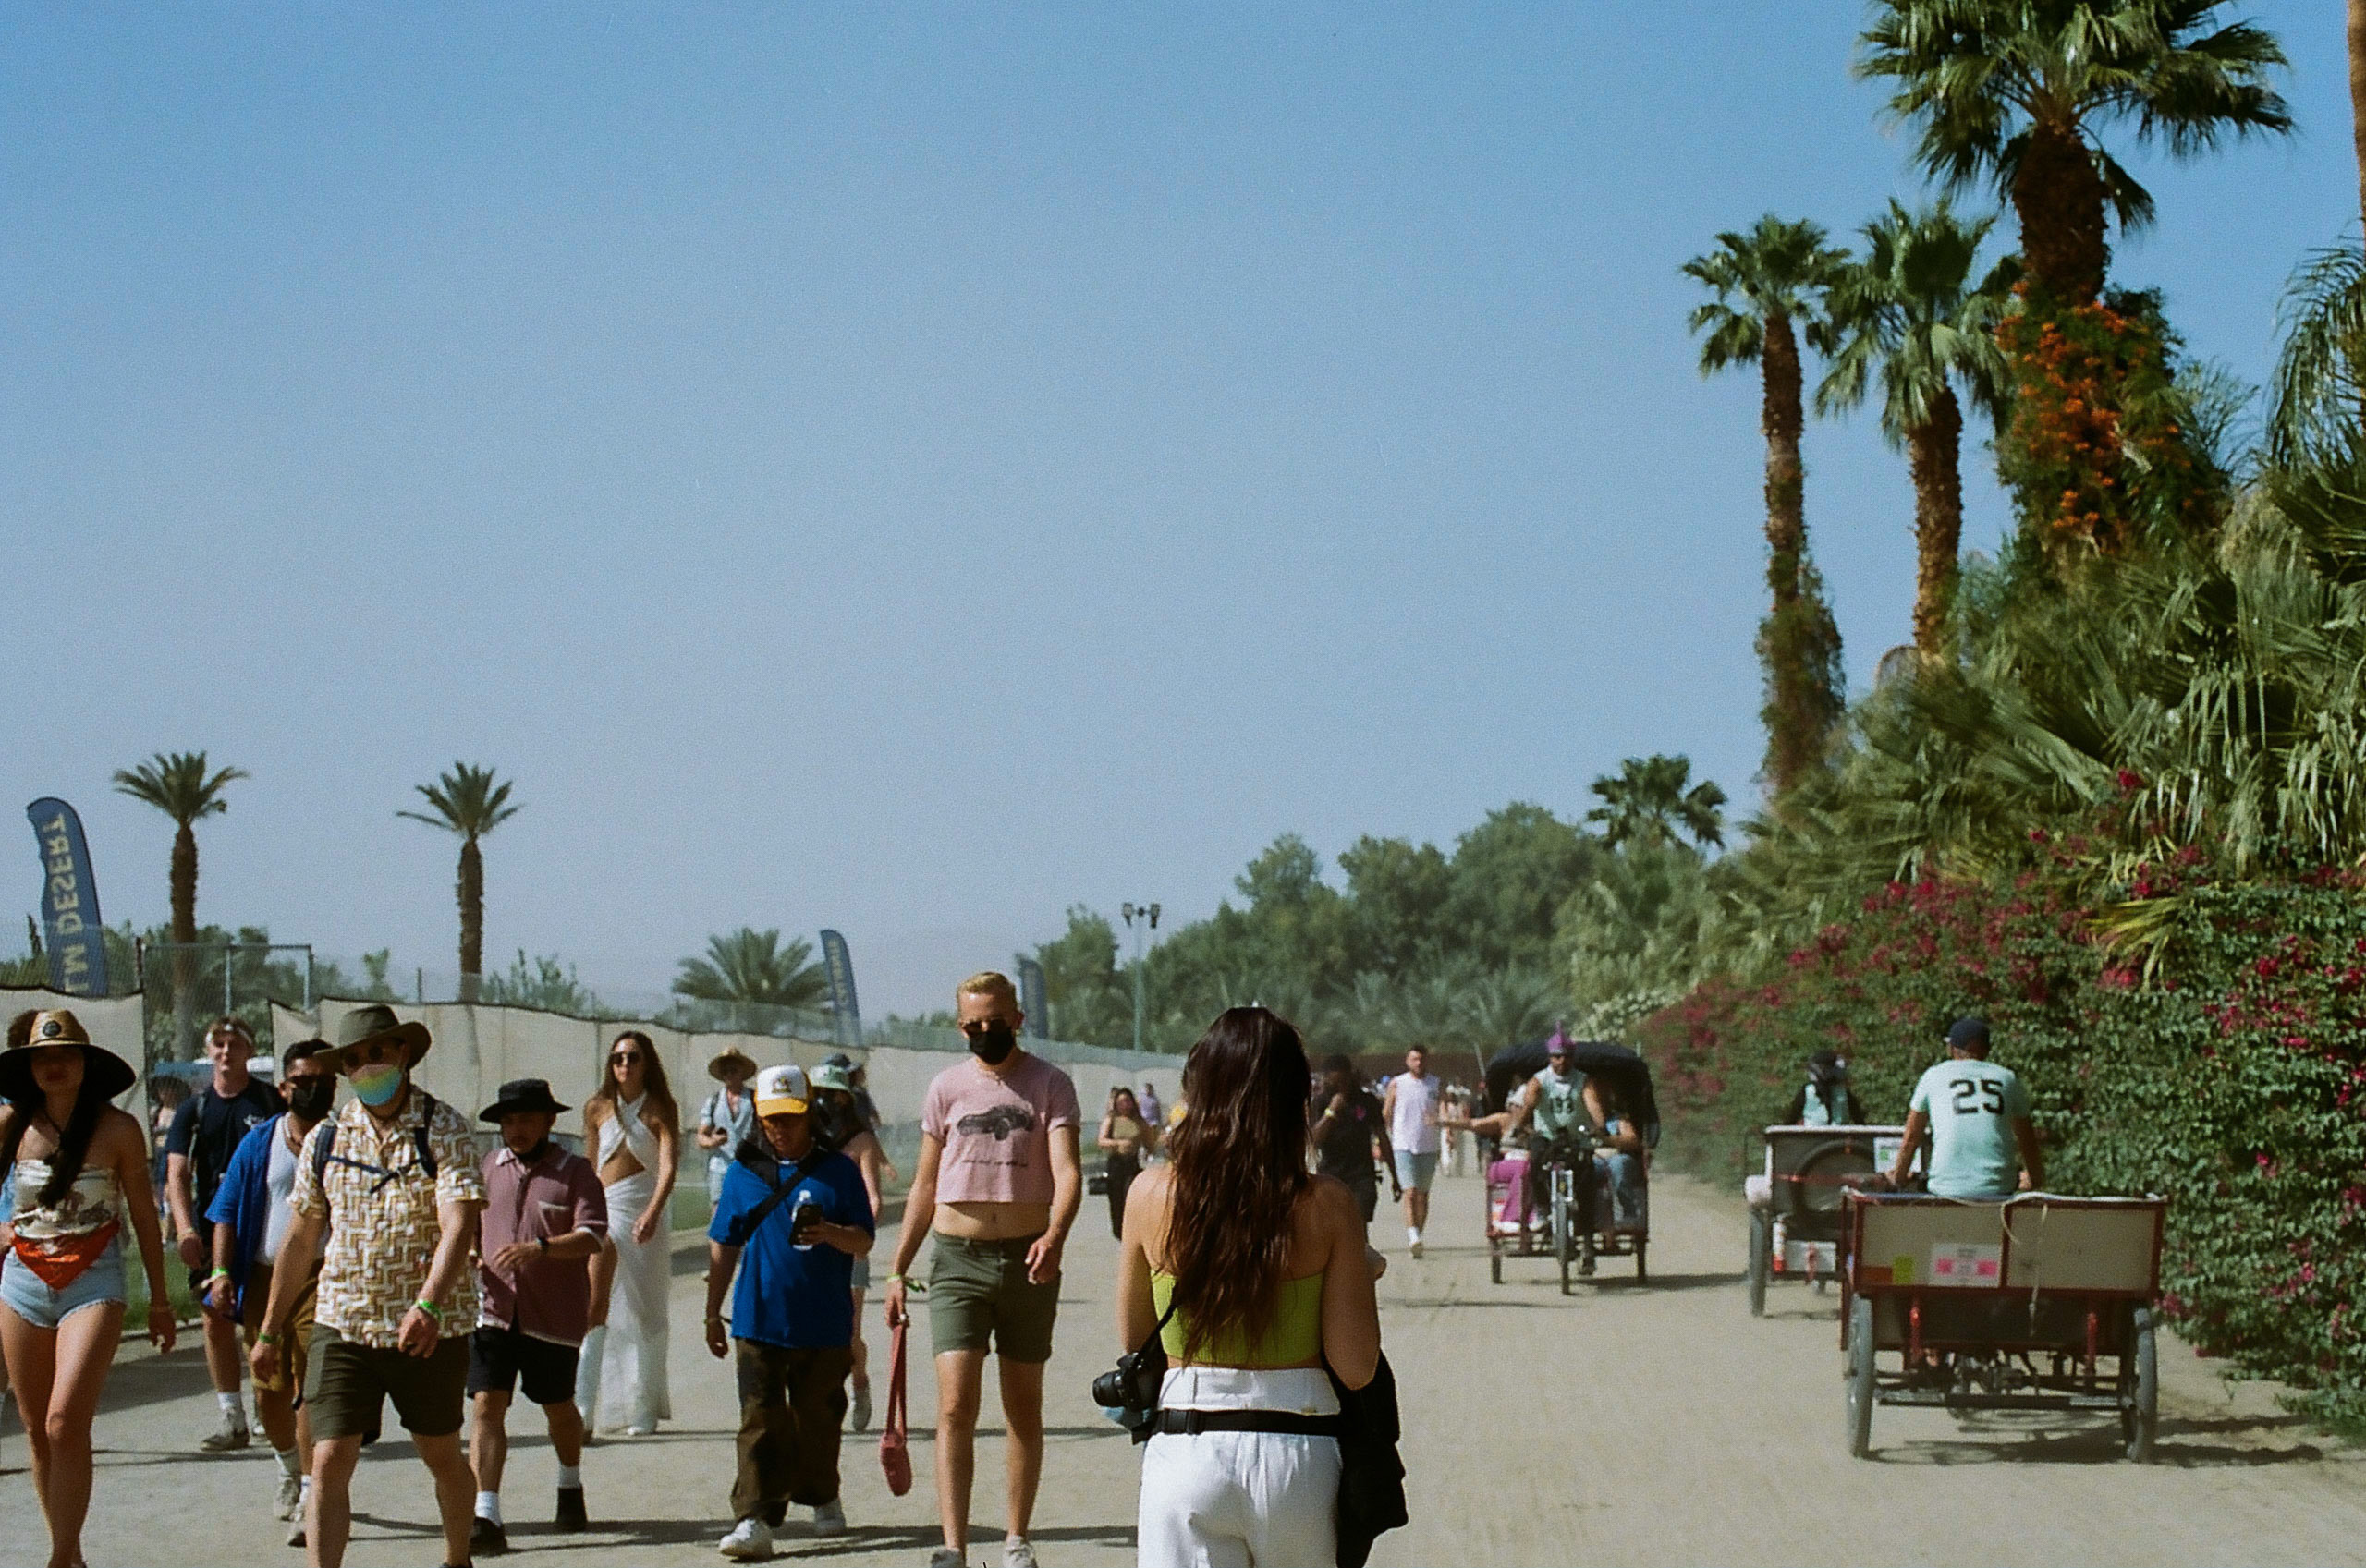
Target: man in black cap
[{"x": 545, "y": 1213}]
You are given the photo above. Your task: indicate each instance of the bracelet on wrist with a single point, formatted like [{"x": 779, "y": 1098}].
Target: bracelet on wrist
[
  {"x": 423, "y": 1305},
  {"x": 217, "y": 1275},
  {"x": 264, "y": 1336}
]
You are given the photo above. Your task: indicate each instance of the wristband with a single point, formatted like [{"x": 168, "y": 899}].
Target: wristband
[
  {"x": 264, "y": 1336},
  {"x": 217, "y": 1275},
  {"x": 895, "y": 1279},
  {"x": 423, "y": 1305}
]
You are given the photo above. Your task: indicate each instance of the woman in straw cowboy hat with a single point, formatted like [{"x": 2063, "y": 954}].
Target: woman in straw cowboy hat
[
  {"x": 634, "y": 1129},
  {"x": 76, "y": 1169},
  {"x": 728, "y": 1119}
]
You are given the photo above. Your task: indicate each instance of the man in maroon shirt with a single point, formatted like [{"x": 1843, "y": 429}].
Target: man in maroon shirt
[{"x": 544, "y": 1217}]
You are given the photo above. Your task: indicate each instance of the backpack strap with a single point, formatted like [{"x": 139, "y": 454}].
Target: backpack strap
[
  {"x": 743, "y": 1229},
  {"x": 326, "y": 1154}
]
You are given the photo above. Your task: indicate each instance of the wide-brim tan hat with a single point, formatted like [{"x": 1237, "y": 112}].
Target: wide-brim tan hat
[
  {"x": 29, "y": 1032},
  {"x": 370, "y": 1025},
  {"x": 747, "y": 1064}
]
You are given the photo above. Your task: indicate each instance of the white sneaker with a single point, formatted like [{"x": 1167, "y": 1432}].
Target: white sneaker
[
  {"x": 290, "y": 1504},
  {"x": 946, "y": 1557},
  {"x": 830, "y": 1518},
  {"x": 750, "y": 1540},
  {"x": 859, "y": 1409},
  {"x": 1415, "y": 1244},
  {"x": 1016, "y": 1553}
]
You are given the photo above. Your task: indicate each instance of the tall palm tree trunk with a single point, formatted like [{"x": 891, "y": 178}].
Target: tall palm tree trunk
[
  {"x": 2357, "y": 94},
  {"x": 2058, "y": 197},
  {"x": 184, "y": 891},
  {"x": 1780, "y": 418},
  {"x": 471, "y": 891},
  {"x": 1799, "y": 642},
  {"x": 1933, "y": 455}
]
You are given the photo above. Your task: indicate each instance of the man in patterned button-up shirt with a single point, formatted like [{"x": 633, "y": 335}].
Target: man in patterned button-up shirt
[{"x": 393, "y": 1185}]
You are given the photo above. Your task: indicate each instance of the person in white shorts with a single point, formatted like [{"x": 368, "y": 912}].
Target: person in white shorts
[{"x": 1411, "y": 1107}]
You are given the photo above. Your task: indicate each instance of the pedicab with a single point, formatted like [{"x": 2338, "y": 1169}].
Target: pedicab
[
  {"x": 1795, "y": 1203},
  {"x": 1563, "y": 1226},
  {"x": 2032, "y": 1303}
]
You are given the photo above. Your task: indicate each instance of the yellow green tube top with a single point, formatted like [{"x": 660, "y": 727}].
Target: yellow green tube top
[{"x": 1292, "y": 1339}]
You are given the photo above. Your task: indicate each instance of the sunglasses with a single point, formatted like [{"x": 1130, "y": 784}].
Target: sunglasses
[{"x": 622, "y": 1057}]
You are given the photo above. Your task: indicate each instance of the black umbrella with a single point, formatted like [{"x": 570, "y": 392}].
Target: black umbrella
[{"x": 1627, "y": 1075}]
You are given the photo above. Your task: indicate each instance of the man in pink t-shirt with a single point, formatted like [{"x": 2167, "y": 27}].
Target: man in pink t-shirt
[{"x": 998, "y": 1185}]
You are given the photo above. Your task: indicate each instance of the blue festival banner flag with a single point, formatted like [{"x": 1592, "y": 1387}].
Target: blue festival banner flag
[
  {"x": 1032, "y": 1000},
  {"x": 69, "y": 902},
  {"x": 839, "y": 966}
]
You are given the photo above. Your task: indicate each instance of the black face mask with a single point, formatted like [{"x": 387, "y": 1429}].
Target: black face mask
[
  {"x": 994, "y": 1042},
  {"x": 308, "y": 1099}
]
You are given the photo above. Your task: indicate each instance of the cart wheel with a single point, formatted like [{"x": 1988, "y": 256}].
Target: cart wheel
[
  {"x": 1564, "y": 1223},
  {"x": 1762, "y": 1255},
  {"x": 1860, "y": 1377},
  {"x": 2141, "y": 1417},
  {"x": 1641, "y": 1273}
]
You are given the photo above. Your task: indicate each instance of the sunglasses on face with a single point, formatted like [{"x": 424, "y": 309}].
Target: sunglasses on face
[
  {"x": 624, "y": 1057},
  {"x": 374, "y": 1053}
]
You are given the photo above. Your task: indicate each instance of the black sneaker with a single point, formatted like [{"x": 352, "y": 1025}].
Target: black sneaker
[
  {"x": 571, "y": 1516},
  {"x": 488, "y": 1538}
]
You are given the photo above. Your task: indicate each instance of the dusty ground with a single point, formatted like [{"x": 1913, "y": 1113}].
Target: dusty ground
[{"x": 1625, "y": 1425}]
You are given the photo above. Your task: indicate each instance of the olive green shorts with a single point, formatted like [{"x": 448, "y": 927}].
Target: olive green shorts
[
  {"x": 347, "y": 1385},
  {"x": 979, "y": 1295}
]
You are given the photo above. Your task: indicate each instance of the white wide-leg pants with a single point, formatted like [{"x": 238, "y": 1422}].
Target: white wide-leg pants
[{"x": 1230, "y": 1499}]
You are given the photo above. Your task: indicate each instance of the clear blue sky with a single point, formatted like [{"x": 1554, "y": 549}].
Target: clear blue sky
[{"x": 912, "y": 468}]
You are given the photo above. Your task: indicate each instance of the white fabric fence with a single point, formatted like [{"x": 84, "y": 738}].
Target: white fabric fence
[{"x": 114, "y": 1022}]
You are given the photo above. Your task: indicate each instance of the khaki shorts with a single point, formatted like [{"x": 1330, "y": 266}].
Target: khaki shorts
[
  {"x": 979, "y": 1294},
  {"x": 350, "y": 1384},
  {"x": 295, "y": 1339}
]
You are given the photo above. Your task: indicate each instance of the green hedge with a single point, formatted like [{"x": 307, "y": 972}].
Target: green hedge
[{"x": 2233, "y": 1080}]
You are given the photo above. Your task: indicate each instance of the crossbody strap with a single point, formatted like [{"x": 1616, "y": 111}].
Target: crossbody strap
[{"x": 744, "y": 1228}]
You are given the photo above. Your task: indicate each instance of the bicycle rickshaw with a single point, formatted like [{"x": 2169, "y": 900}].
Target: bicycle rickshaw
[
  {"x": 2032, "y": 1303},
  {"x": 1795, "y": 1203},
  {"x": 1563, "y": 1226}
]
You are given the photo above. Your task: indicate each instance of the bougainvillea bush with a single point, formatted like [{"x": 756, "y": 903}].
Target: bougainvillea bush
[{"x": 2230, "y": 1077}]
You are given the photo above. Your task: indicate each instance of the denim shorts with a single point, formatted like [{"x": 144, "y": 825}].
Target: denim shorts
[
  {"x": 1415, "y": 1171},
  {"x": 30, "y": 1297}
]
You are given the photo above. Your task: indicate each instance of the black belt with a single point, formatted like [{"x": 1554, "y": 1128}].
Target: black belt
[{"x": 1191, "y": 1423}]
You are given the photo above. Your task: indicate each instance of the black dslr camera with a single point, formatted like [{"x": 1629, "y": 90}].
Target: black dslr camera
[{"x": 1131, "y": 1386}]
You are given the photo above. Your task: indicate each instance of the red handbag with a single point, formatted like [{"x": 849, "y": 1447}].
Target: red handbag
[{"x": 894, "y": 1446}]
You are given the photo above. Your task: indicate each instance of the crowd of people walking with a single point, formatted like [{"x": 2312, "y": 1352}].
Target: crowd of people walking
[{"x": 349, "y": 1258}]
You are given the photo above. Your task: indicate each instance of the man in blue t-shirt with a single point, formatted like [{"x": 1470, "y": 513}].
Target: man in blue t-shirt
[
  {"x": 790, "y": 1218},
  {"x": 1977, "y": 1114}
]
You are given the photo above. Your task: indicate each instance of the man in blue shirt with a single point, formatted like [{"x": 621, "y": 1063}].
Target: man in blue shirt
[
  {"x": 791, "y": 1217},
  {"x": 1977, "y": 1112}
]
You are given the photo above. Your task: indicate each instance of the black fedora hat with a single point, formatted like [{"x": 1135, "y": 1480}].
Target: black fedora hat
[
  {"x": 28, "y": 1032},
  {"x": 522, "y": 1094}
]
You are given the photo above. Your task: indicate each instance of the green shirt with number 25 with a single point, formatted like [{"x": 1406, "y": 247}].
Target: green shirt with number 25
[{"x": 1972, "y": 1105}]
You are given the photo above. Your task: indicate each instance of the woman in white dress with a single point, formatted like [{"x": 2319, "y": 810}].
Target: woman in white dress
[{"x": 633, "y": 1128}]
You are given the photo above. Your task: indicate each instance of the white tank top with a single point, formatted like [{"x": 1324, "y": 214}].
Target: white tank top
[{"x": 1413, "y": 1123}]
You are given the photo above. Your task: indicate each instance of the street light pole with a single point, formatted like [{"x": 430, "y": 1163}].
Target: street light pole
[{"x": 1149, "y": 913}]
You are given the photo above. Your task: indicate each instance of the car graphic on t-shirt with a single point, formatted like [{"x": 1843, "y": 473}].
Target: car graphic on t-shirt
[{"x": 1002, "y": 1121}]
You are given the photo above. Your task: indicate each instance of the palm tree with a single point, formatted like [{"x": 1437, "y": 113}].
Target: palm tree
[
  {"x": 2318, "y": 405},
  {"x": 177, "y": 784},
  {"x": 1770, "y": 285},
  {"x": 2358, "y": 94},
  {"x": 2015, "y": 93},
  {"x": 469, "y": 802},
  {"x": 752, "y": 966},
  {"x": 1648, "y": 801},
  {"x": 1911, "y": 311}
]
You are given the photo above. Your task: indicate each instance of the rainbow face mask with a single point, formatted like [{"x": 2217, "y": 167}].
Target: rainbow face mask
[{"x": 376, "y": 1083}]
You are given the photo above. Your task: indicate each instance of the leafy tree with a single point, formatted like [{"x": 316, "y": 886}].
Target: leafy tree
[
  {"x": 752, "y": 966},
  {"x": 1770, "y": 285},
  {"x": 1648, "y": 800},
  {"x": 1911, "y": 313},
  {"x": 1511, "y": 874},
  {"x": 2016, "y": 93},
  {"x": 1396, "y": 894},
  {"x": 543, "y": 982},
  {"x": 1089, "y": 998},
  {"x": 471, "y": 802}
]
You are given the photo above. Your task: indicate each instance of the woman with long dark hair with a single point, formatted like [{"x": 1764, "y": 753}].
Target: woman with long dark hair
[
  {"x": 1254, "y": 1273},
  {"x": 76, "y": 1169},
  {"x": 1126, "y": 1136},
  {"x": 635, "y": 1131}
]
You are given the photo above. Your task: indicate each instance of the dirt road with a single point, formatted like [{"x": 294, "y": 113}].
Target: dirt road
[{"x": 1625, "y": 1425}]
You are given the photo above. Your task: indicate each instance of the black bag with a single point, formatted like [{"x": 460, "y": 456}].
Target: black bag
[{"x": 1372, "y": 1477}]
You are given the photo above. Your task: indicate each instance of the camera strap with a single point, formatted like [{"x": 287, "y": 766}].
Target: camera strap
[{"x": 744, "y": 1228}]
